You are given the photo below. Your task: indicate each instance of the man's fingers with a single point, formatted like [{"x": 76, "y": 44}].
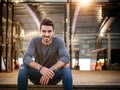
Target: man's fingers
[
  {"x": 44, "y": 81},
  {"x": 50, "y": 74}
]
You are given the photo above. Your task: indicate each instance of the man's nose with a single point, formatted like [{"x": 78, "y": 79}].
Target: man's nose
[{"x": 46, "y": 34}]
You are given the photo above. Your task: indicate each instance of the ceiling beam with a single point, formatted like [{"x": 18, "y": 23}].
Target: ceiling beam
[
  {"x": 107, "y": 22},
  {"x": 33, "y": 15}
]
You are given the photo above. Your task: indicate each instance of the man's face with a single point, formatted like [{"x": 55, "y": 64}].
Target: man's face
[{"x": 46, "y": 32}]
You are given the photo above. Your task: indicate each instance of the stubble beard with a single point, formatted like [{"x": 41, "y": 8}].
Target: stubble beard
[{"x": 46, "y": 40}]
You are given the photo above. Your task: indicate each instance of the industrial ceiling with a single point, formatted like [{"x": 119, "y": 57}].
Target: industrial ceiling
[{"x": 85, "y": 22}]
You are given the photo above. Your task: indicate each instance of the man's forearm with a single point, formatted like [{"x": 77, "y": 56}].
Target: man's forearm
[
  {"x": 35, "y": 65},
  {"x": 58, "y": 65}
]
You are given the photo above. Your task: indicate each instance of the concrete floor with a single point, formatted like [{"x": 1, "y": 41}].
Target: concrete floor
[{"x": 79, "y": 77}]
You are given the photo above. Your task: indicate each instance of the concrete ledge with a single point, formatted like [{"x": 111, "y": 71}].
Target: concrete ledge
[{"x": 59, "y": 87}]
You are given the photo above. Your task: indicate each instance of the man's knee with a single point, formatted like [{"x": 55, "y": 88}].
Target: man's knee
[
  {"x": 23, "y": 71},
  {"x": 23, "y": 67}
]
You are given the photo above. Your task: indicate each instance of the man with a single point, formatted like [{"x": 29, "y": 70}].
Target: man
[{"x": 51, "y": 62}]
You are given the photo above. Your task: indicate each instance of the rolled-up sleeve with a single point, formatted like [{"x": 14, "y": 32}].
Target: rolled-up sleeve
[
  {"x": 63, "y": 53},
  {"x": 27, "y": 58}
]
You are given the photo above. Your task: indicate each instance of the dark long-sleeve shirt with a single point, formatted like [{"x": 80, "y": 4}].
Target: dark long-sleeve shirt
[{"x": 46, "y": 55}]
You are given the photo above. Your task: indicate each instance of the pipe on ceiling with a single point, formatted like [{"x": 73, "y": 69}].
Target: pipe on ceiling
[{"x": 33, "y": 15}]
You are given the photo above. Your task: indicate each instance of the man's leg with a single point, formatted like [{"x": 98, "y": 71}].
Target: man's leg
[
  {"x": 34, "y": 76},
  {"x": 67, "y": 78},
  {"x": 23, "y": 77},
  {"x": 65, "y": 75}
]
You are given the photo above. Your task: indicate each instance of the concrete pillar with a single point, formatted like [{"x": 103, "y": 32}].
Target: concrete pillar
[{"x": 68, "y": 30}]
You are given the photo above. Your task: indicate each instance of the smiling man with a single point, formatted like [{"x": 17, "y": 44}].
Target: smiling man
[{"x": 51, "y": 64}]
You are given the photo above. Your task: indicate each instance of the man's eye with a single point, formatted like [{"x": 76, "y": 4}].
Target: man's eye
[
  {"x": 43, "y": 31},
  {"x": 49, "y": 31}
]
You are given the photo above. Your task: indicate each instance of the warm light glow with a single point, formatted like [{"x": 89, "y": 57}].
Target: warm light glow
[
  {"x": 99, "y": 14},
  {"x": 103, "y": 29},
  {"x": 22, "y": 33},
  {"x": 17, "y": 1},
  {"x": 101, "y": 34},
  {"x": 84, "y": 2},
  {"x": 34, "y": 33}
]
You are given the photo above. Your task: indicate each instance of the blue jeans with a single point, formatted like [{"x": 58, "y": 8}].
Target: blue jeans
[{"x": 26, "y": 72}]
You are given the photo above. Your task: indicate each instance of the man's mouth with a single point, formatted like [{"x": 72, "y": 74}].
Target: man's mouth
[{"x": 46, "y": 39}]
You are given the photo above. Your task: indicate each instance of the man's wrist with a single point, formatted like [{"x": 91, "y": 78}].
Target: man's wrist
[
  {"x": 40, "y": 67},
  {"x": 53, "y": 69}
]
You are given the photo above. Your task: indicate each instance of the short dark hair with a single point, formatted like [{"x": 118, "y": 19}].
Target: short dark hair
[{"x": 47, "y": 22}]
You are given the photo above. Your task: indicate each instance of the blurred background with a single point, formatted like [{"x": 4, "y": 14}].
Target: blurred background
[{"x": 90, "y": 29}]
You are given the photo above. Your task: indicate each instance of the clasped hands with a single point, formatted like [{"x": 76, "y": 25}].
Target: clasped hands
[{"x": 47, "y": 74}]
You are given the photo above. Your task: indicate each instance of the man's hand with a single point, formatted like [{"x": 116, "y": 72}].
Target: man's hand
[
  {"x": 44, "y": 80},
  {"x": 46, "y": 75}
]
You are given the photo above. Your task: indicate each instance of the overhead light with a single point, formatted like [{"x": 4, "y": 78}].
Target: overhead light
[
  {"x": 84, "y": 2},
  {"x": 17, "y": 1}
]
